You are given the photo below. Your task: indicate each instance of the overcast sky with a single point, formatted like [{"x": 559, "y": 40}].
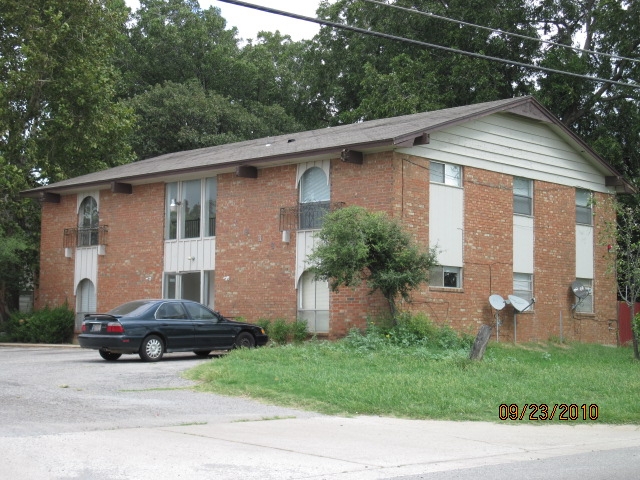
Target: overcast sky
[{"x": 250, "y": 21}]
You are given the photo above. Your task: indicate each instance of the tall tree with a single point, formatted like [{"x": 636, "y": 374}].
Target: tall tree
[{"x": 58, "y": 114}]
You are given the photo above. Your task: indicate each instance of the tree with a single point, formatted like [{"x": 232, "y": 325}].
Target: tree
[
  {"x": 174, "y": 117},
  {"x": 357, "y": 245},
  {"x": 626, "y": 235},
  {"x": 58, "y": 113}
]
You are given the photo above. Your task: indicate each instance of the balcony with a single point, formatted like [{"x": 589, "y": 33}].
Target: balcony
[
  {"x": 85, "y": 237},
  {"x": 306, "y": 216}
]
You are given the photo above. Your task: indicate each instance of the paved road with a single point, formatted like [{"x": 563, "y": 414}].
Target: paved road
[{"x": 67, "y": 414}]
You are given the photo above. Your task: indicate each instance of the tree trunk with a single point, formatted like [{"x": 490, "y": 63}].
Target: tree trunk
[{"x": 480, "y": 343}]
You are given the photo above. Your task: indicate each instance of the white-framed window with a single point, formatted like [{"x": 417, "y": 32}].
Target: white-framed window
[
  {"x": 446, "y": 173},
  {"x": 522, "y": 196},
  {"x": 88, "y": 222},
  {"x": 447, "y": 277},
  {"x": 313, "y": 303},
  {"x": 523, "y": 286},
  {"x": 85, "y": 300},
  {"x": 315, "y": 198},
  {"x": 197, "y": 286},
  {"x": 585, "y": 305},
  {"x": 584, "y": 212},
  {"x": 190, "y": 209}
]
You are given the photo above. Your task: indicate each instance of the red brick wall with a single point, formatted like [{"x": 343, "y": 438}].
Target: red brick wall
[
  {"x": 133, "y": 265},
  {"x": 249, "y": 247},
  {"x": 56, "y": 271}
]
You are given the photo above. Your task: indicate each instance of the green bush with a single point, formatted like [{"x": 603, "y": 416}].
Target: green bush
[
  {"x": 299, "y": 331},
  {"x": 411, "y": 330},
  {"x": 49, "y": 325},
  {"x": 280, "y": 331}
]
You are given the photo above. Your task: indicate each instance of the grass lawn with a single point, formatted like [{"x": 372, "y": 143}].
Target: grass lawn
[{"x": 593, "y": 381}]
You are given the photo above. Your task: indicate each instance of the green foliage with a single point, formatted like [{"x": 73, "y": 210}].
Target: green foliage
[
  {"x": 409, "y": 331},
  {"x": 357, "y": 245},
  {"x": 49, "y": 325},
  {"x": 280, "y": 331}
]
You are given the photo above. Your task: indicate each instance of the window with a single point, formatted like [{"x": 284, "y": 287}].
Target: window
[
  {"x": 584, "y": 213},
  {"x": 173, "y": 311},
  {"x": 313, "y": 303},
  {"x": 88, "y": 221},
  {"x": 523, "y": 286},
  {"x": 585, "y": 305},
  {"x": 198, "y": 312},
  {"x": 446, "y": 173},
  {"x": 448, "y": 277},
  {"x": 190, "y": 210},
  {"x": 522, "y": 196},
  {"x": 197, "y": 286},
  {"x": 314, "y": 198}
]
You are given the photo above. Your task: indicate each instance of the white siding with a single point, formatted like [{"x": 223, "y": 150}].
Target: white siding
[
  {"x": 584, "y": 251},
  {"x": 514, "y": 146},
  {"x": 446, "y": 212},
  {"x": 305, "y": 243},
  {"x": 522, "y": 244},
  {"x": 190, "y": 255},
  {"x": 86, "y": 265}
]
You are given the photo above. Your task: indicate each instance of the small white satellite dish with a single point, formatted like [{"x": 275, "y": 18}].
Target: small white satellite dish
[
  {"x": 497, "y": 302},
  {"x": 579, "y": 290},
  {"x": 520, "y": 304}
]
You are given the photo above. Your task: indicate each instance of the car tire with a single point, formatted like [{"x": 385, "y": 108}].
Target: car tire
[
  {"x": 151, "y": 349},
  {"x": 202, "y": 353},
  {"x": 246, "y": 340},
  {"x": 109, "y": 356}
]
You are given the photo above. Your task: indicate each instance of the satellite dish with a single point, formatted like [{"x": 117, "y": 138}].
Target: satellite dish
[
  {"x": 520, "y": 304},
  {"x": 579, "y": 290},
  {"x": 497, "y": 302}
]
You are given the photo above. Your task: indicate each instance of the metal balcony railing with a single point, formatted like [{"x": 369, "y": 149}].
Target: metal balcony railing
[
  {"x": 306, "y": 216},
  {"x": 85, "y": 236}
]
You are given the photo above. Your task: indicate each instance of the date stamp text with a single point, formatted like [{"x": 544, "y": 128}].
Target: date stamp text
[{"x": 544, "y": 412}]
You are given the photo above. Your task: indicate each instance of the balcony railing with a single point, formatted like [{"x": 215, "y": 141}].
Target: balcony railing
[
  {"x": 306, "y": 216},
  {"x": 85, "y": 236}
]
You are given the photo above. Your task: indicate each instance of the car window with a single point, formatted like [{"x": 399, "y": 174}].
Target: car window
[
  {"x": 198, "y": 312},
  {"x": 171, "y": 310},
  {"x": 132, "y": 309}
]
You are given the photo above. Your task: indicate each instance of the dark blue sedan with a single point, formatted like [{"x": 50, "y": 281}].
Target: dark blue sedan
[{"x": 152, "y": 328}]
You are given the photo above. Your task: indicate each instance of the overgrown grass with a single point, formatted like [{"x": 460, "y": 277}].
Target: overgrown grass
[{"x": 430, "y": 382}]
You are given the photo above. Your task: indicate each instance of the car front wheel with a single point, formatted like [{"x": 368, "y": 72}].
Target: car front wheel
[
  {"x": 107, "y": 355},
  {"x": 151, "y": 349},
  {"x": 245, "y": 339}
]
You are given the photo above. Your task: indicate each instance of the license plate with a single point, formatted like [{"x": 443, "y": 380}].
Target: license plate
[{"x": 96, "y": 327}]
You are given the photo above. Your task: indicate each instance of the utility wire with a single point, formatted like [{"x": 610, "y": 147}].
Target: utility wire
[
  {"x": 423, "y": 44},
  {"x": 517, "y": 35}
]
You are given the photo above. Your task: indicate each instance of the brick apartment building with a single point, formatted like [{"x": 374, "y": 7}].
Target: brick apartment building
[{"x": 514, "y": 202}]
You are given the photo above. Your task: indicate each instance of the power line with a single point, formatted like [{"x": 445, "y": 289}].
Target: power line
[
  {"x": 494, "y": 30},
  {"x": 423, "y": 44}
]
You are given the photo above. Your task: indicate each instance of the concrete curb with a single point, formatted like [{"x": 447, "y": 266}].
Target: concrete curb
[{"x": 41, "y": 345}]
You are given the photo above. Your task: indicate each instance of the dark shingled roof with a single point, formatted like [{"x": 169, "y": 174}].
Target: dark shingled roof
[{"x": 386, "y": 132}]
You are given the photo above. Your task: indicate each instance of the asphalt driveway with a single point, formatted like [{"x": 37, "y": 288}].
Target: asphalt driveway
[{"x": 67, "y": 414}]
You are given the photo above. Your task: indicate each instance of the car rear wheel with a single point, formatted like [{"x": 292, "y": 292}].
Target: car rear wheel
[
  {"x": 110, "y": 356},
  {"x": 246, "y": 340},
  {"x": 151, "y": 349},
  {"x": 202, "y": 353}
]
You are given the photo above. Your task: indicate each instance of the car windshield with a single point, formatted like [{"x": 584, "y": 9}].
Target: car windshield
[{"x": 131, "y": 309}]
